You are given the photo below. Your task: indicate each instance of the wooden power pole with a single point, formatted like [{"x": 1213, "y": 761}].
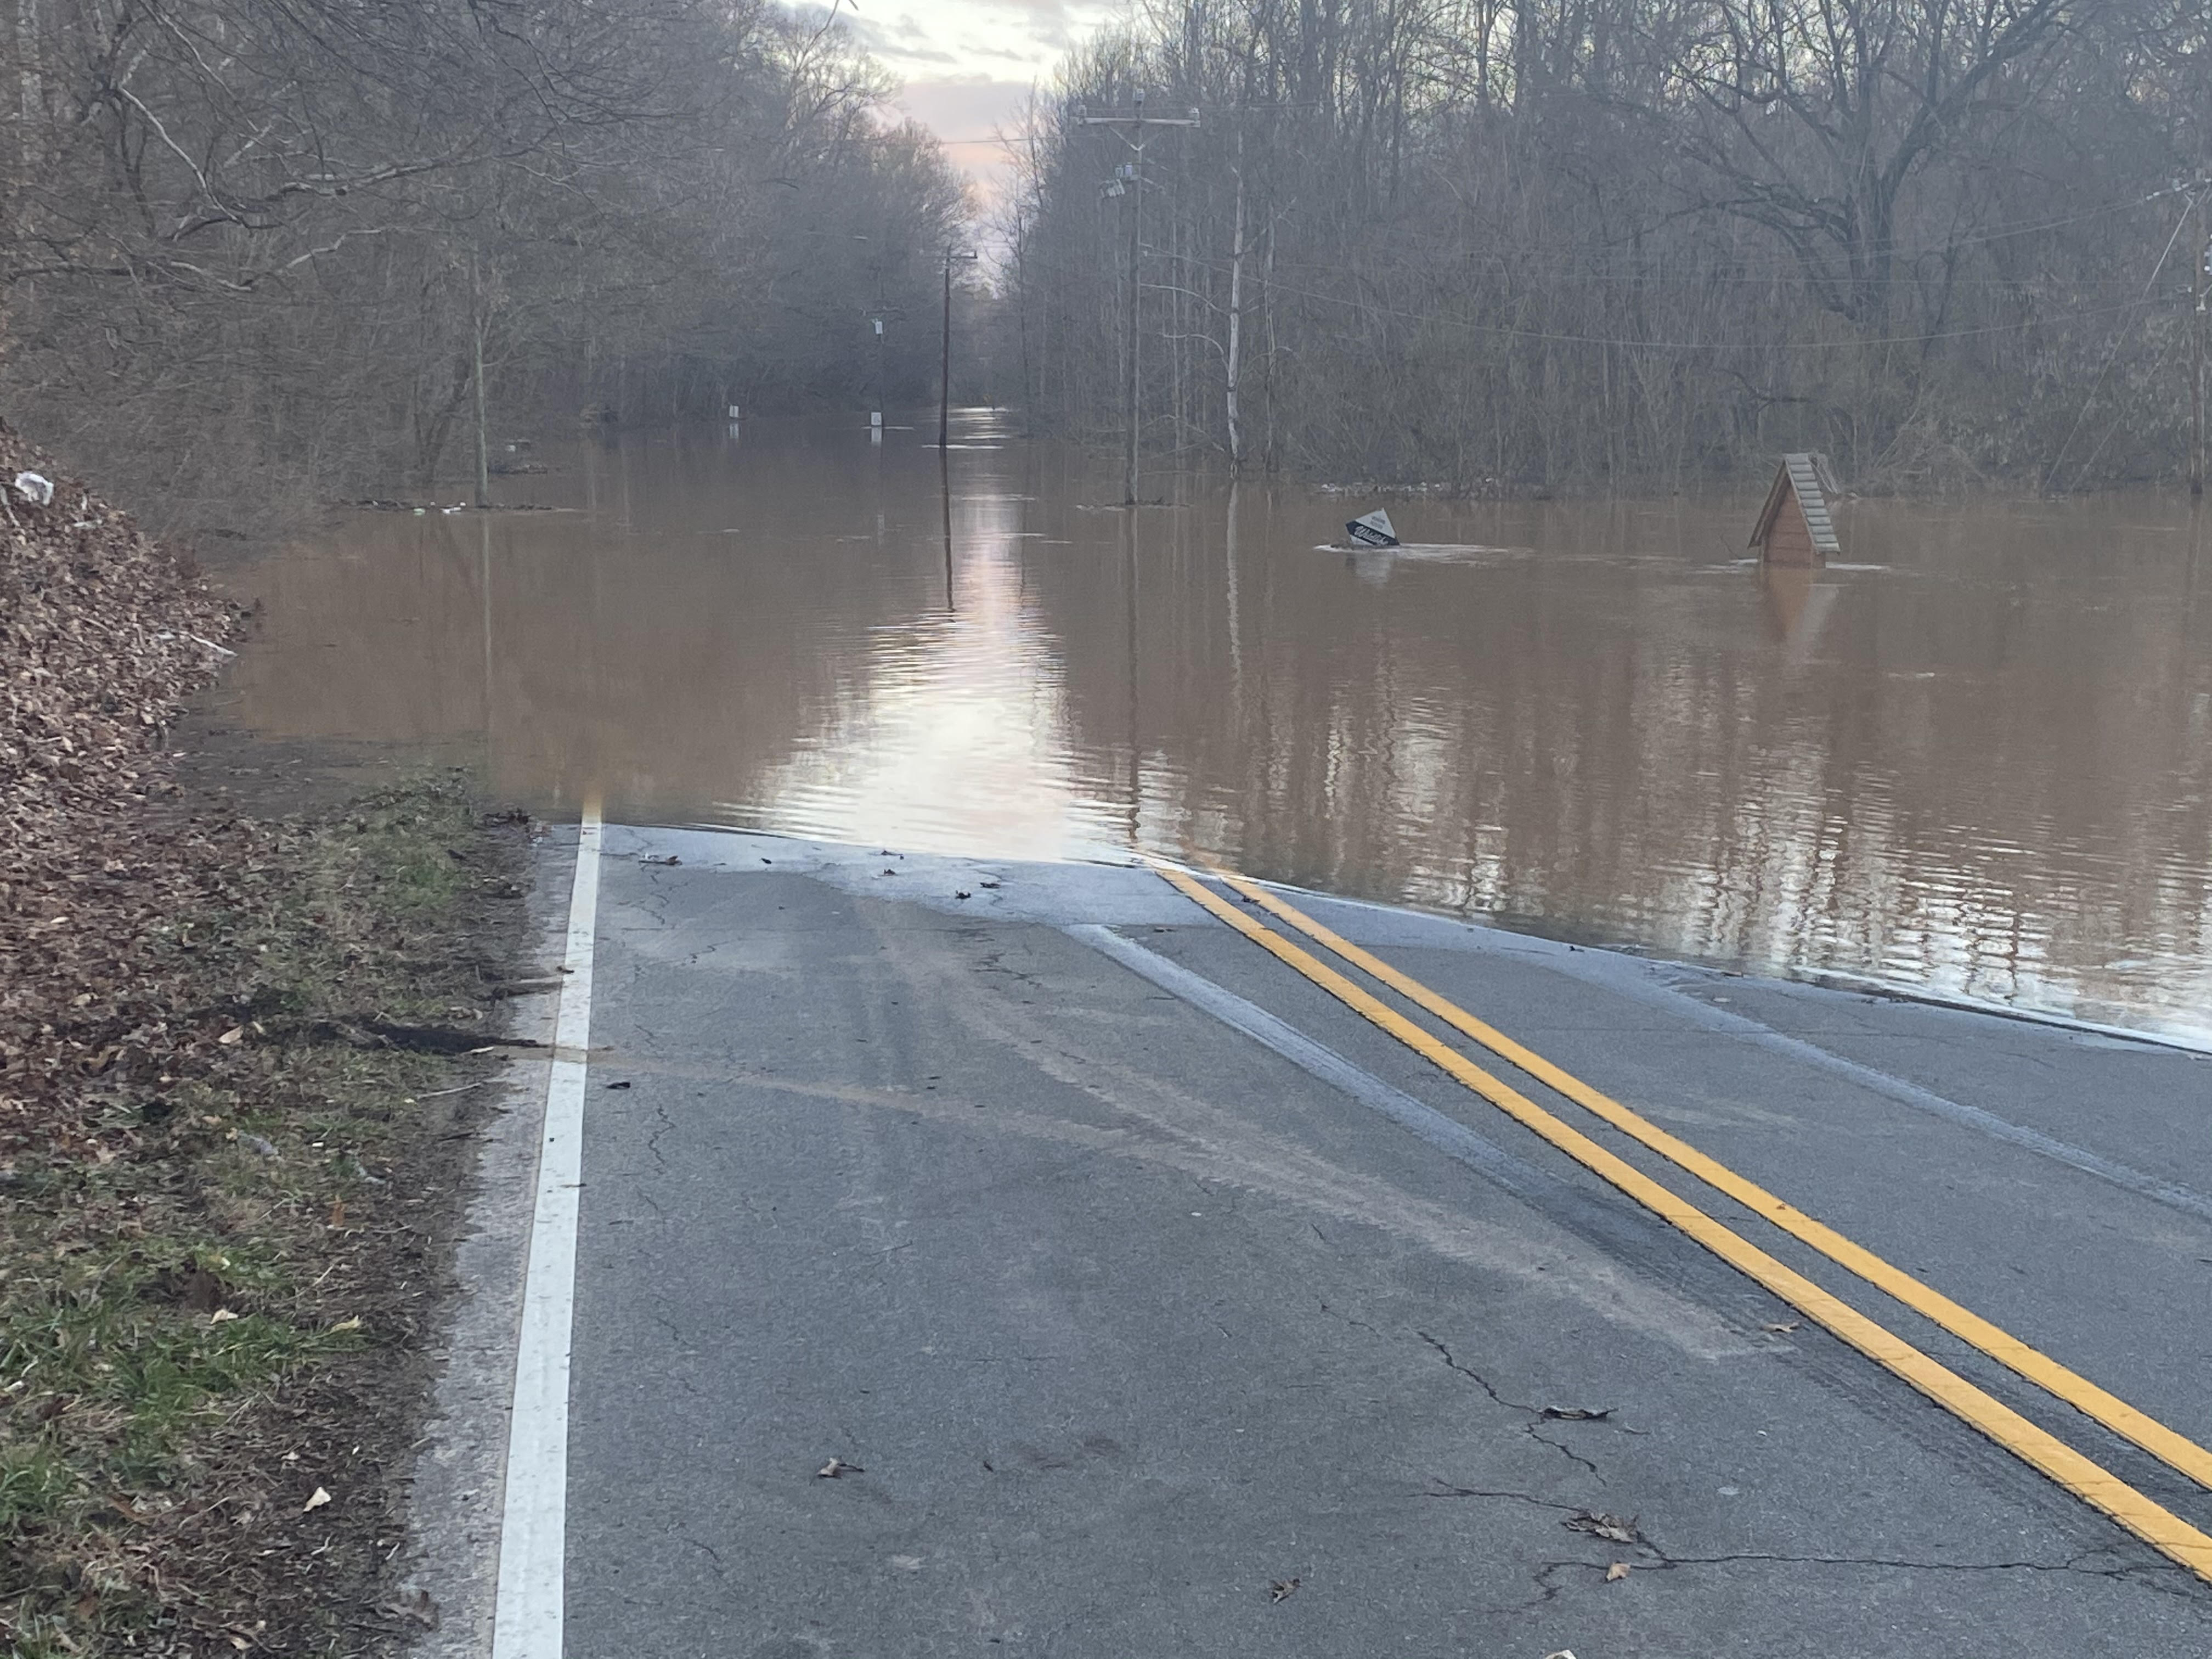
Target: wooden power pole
[
  {"x": 1130, "y": 128},
  {"x": 944, "y": 368},
  {"x": 2200, "y": 281},
  {"x": 476, "y": 376}
]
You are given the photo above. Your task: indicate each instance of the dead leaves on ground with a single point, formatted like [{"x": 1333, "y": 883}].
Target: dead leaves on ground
[{"x": 1599, "y": 1524}]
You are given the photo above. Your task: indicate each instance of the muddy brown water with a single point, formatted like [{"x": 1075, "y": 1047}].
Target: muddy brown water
[{"x": 1973, "y": 759}]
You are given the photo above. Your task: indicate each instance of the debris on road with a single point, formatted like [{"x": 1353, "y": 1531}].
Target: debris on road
[
  {"x": 1281, "y": 1589},
  {"x": 1599, "y": 1524},
  {"x": 1575, "y": 1414},
  {"x": 836, "y": 1467},
  {"x": 315, "y": 1503},
  {"x": 1617, "y": 1572}
]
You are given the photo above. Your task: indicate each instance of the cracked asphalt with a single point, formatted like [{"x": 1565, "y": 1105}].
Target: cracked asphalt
[{"x": 1141, "y": 1337}]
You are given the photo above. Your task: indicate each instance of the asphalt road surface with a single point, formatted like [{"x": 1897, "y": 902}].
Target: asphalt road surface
[{"x": 1154, "y": 1302}]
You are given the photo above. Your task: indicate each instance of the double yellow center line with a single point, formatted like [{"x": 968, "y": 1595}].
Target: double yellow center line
[{"x": 2160, "y": 1528}]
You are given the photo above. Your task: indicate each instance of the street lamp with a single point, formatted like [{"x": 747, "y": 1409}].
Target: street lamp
[{"x": 967, "y": 255}]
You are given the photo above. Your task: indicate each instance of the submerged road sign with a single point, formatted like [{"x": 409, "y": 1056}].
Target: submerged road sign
[{"x": 1372, "y": 530}]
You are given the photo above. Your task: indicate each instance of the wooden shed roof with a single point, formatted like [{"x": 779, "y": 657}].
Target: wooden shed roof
[{"x": 1802, "y": 474}]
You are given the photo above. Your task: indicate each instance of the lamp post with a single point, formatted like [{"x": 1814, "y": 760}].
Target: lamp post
[{"x": 967, "y": 255}]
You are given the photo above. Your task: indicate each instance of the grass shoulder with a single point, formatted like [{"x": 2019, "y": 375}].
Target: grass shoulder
[{"x": 227, "y": 1234}]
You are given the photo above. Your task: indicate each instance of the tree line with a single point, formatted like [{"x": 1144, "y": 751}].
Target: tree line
[
  {"x": 1527, "y": 244},
  {"x": 276, "y": 247}
]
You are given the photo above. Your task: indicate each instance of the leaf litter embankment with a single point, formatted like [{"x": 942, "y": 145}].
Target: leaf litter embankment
[{"x": 234, "y": 1132}]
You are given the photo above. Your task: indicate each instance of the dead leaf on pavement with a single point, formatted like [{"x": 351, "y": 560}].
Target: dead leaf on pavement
[
  {"x": 1575, "y": 1414},
  {"x": 837, "y": 1465},
  {"x": 1616, "y": 1572},
  {"x": 320, "y": 1498},
  {"x": 1601, "y": 1525},
  {"x": 1783, "y": 1327},
  {"x": 1281, "y": 1589},
  {"x": 418, "y": 1607}
]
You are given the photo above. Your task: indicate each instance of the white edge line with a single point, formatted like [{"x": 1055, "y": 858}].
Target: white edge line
[{"x": 526, "y": 1619}]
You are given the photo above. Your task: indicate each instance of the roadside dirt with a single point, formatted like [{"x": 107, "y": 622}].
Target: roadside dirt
[{"x": 248, "y": 1017}]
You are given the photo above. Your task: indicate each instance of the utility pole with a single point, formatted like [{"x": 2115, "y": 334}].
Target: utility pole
[
  {"x": 1234, "y": 355},
  {"x": 875, "y": 416},
  {"x": 1131, "y": 416},
  {"x": 945, "y": 368},
  {"x": 1135, "y": 123},
  {"x": 2200, "y": 280},
  {"x": 477, "y": 337}
]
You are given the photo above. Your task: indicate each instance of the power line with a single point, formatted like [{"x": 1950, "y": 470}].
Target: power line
[{"x": 1507, "y": 330}]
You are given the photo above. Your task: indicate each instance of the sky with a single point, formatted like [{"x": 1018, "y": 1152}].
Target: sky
[{"x": 967, "y": 66}]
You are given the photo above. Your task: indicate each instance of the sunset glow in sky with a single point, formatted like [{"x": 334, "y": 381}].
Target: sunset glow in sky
[{"x": 969, "y": 65}]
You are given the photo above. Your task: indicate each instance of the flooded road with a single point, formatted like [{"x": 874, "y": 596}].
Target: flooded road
[{"x": 1974, "y": 759}]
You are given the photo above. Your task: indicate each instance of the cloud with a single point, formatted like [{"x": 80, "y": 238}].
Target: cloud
[{"x": 967, "y": 66}]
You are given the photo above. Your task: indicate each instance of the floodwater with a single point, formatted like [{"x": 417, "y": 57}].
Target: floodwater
[{"x": 1976, "y": 759}]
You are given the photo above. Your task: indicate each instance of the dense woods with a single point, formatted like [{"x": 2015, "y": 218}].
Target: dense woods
[
  {"x": 269, "y": 247},
  {"x": 273, "y": 247},
  {"x": 1534, "y": 243}
]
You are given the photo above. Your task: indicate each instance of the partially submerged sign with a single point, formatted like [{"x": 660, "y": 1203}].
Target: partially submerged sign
[
  {"x": 1372, "y": 530},
  {"x": 1795, "y": 526}
]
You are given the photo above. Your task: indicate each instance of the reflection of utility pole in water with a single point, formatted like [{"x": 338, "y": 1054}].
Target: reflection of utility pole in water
[
  {"x": 2198, "y": 518},
  {"x": 945, "y": 489},
  {"x": 1136, "y": 121},
  {"x": 483, "y": 586},
  {"x": 1130, "y": 587},
  {"x": 1236, "y": 634}
]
